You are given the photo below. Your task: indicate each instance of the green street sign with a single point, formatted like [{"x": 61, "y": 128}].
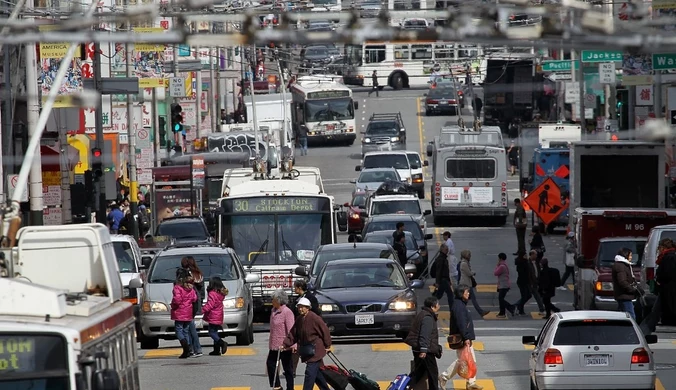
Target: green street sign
[
  {"x": 559, "y": 66},
  {"x": 601, "y": 56},
  {"x": 664, "y": 61}
]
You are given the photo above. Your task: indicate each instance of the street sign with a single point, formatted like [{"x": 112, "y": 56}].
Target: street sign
[
  {"x": 601, "y": 56},
  {"x": 607, "y": 73},
  {"x": 672, "y": 114},
  {"x": 177, "y": 87},
  {"x": 560, "y": 76},
  {"x": 114, "y": 85},
  {"x": 546, "y": 202},
  {"x": 572, "y": 93},
  {"x": 197, "y": 167},
  {"x": 559, "y": 66},
  {"x": 12, "y": 181},
  {"x": 664, "y": 61}
]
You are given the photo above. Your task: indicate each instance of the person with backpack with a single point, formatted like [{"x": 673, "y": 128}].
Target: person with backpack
[{"x": 548, "y": 281}]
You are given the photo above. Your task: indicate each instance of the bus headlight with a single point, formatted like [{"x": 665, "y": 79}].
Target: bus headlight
[
  {"x": 394, "y": 139},
  {"x": 328, "y": 308},
  {"x": 402, "y": 305},
  {"x": 604, "y": 286},
  {"x": 154, "y": 307},
  {"x": 233, "y": 303},
  {"x": 367, "y": 140}
]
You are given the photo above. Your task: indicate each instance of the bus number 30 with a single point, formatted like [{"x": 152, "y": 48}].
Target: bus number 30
[
  {"x": 241, "y": 205},
  {"x": 277, "y": 281},
  {"x": 635, "y": 226}
]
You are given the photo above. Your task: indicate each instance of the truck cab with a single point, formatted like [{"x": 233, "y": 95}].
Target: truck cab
[{"x": 603, "y": 262}]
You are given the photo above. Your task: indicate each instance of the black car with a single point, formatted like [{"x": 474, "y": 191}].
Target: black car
[
  {"x": 184, "y": 229},
  {"x": 331, "y": 252},
  {"x": 389, "y": 222},
  {"x": 318, "y": 55},
  {"x": 384, "y": 132},
  {"x": 442, "y": 100},
  {"x": 367, "y": 297}
]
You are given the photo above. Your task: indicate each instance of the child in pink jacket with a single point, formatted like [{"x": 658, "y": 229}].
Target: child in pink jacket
[
  {"x": 213, "y": 314},
  {"x": 181, "y": 309}
]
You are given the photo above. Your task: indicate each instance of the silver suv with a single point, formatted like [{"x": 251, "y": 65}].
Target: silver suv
[{"x": 213, "y": 260}]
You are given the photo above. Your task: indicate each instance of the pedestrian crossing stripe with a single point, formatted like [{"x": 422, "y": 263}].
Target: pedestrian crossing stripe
[
  {"x": 402, "y": 347},
  {"x": 493, "y": 288},
  {"x": 175, "y": 352},
  {"x": 536, "y": 315},
  {"x": 459, "y": 384}
]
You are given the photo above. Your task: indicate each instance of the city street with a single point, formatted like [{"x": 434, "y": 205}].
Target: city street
[{"x": 502, "y": 359}]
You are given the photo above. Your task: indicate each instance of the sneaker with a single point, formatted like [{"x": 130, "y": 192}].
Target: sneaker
[
  {"x": 562, "y": 288},
  {"x": 474, "y": 386},
  {"x": 443, "y": 380},
  {"x": 500, "y": 316},
  {"x": 196, "y": 355}
]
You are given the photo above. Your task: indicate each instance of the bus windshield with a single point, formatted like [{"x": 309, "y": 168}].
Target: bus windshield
[
  {"x": 35, "y": 362},
  {"x": 329, "y": 110}
]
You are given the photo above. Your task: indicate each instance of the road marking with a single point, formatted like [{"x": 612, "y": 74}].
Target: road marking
[
  {"x": 232, "y": 388},
  {"x": 493, "y": 316},
  {"x": 487, "y": 288},
  {"x": 536, "y": 315},
  {"x": 175, "y": 352},
  {"x": 478, "y": 345},
  {"x": 461, "y": 384},
  {"x": 658, "y": 385},
  {"x": 444, "y": 315},
  {"x": 390, "y": 347},
  {"x": 571, "y": 287}
]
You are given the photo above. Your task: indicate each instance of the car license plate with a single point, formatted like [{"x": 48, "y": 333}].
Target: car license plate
[
  {"x": 596, "y": 360},
  {"x": 364, "y": 319},
  {"x": 443, "y": 101},
  {"x": 330, "y": 127}
]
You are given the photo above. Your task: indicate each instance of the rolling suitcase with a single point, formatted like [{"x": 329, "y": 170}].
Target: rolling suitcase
[
  {"x": 401, "y": 382},
  {"x": 356, "y": 379},
  {"x": 336, "y": 377}
]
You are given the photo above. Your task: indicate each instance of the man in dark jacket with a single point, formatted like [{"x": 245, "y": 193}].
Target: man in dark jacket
[
  {"x": 443, "y": 276},
  {"x": 374, "y": 81},
  {"x": 624, "y": 284},
  {"x": 665, "y": 288},
  {"x": 424, "y": 341},
  {"x": 547, "y": 281},
  {"x": 400, "y": 247},
  {"x": 461, "y": 324},
  {"x": 529, "y": 283},
  {"x": 520, "y": 224},
  {"x": 300, "y": 288}
]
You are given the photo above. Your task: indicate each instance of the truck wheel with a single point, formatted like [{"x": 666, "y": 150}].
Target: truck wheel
[
  {"x": 149, "y": 342},
  {"x": 350, "y": 142},
  {"x": 397, "y": 81}
]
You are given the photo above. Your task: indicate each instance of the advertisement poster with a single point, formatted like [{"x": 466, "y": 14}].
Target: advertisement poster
[
  {"x": 50, "y": 57},
  {"x": 451, "y": 195},
  {"x": 172, "y": 203},
  {"x": 147, "y": 60},
  {"x": 480, "y": 195}
]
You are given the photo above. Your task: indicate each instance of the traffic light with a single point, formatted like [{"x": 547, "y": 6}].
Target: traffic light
[
  {"x": 622, "y": 109},
  {"x": 176, "y": 118},
  {"x": 97, "y": 164},
  {"x": 162, "y": 128}
]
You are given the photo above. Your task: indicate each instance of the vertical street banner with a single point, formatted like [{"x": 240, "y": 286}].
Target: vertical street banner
[
  {"x": 148, "y": 61},
  {"x": 87, "y": 71},
  {"x": 49, "y": 60}
]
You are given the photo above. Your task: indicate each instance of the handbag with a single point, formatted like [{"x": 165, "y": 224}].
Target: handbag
[
  {"x": 473, "y": 282},
  {"x": 306, "y": 351},
  {"x": 455, "y": 341}
]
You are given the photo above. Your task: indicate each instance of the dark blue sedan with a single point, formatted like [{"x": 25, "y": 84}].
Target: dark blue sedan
[{"x": 367, "y": 297}]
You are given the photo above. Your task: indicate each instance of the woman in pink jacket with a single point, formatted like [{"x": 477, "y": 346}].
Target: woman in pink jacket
[
  {"x": 502, "y": 272},
  {"x": 181, "y": 309},
  {"x": 213, "y": 314}
]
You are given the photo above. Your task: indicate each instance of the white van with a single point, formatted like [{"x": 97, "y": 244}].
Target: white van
[
  {"x": 388, "y": 159},
  {"x": 649, "y": 264}
]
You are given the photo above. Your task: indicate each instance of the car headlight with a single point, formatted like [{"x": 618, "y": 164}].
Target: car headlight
[
  {"x": 604, "y": 286},
  {"x": 417, "y": 178},
  {"x": 328, "y": 308},
  {"x": 125, "y": 292},
  {"x": 154, "y": 307},
  {"x": 402, "y": 305},
  {"x": 233, "y": 303},
  {"x": 394, "y": 139},
  {"x": 367, "y": 140},
  {"x": 355, "y": 216}
]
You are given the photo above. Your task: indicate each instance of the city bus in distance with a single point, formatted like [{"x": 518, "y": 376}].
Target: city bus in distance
[
  {"x": 274, "y": 226},
  {"x": 325, "y": 106},
  {"x": 327, "y": 6},
  {"x": 469, "y": 173}
]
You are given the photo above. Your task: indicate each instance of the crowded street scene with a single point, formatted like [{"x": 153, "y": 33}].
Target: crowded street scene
[{"x": 250, "y": 195}]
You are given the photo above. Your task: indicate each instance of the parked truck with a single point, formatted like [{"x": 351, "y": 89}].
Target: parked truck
[{"x": 509, "y": 90}]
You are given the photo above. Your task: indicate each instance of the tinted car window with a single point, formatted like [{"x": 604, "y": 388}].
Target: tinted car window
[
  {"x": 222, "y": 265},
  {"x": 409, "y": 226},
  {"x": 396, "y": 161},
  {"x": 396, "y": 207},
  {"x": 183, "y": 230},
  {"x": 596, "y": 332},
  {"x": 125, "y": 256},
  {"x": 376, "y": 275},
  {"x": 325, "y": 256},
  {"x": 414, "y": 159},
  {"x": 387, "y": 239},
  {"x": 381, "y": 128},
  {"x": 608, "y": 251},
  {"x": 442, "y": 93}
]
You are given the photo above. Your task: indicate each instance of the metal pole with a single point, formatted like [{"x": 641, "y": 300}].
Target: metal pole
[
  {"x": 32, "y": 89},
  {"x": 198, "y": 102},
  {"x": 99, "y": 140},
  {"x": 220, "y": 94},
  {"x": 131, "y": 134},
  {"x": 253, "y": 101},
  {"x": 66, "y": 207},
  {"x": 657, "y": 96},
  {"x": 215, "y": 114},
  {"x": 282, "y": 83},
  {"x": 580, "y": 80},
  {"x": 156, "y": 127}
]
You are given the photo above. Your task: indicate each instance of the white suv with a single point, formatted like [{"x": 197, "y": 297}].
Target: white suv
[{"x": 404, "y": 204}]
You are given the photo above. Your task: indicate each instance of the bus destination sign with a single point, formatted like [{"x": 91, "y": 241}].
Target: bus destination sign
[
  {"x": 271, "y": 205},
  {"x": 328, "y": 94},
  {"x": 21, "y": 353}
]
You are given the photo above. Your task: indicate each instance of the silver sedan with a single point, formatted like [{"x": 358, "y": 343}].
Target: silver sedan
[{"x": 370, "y": 179}]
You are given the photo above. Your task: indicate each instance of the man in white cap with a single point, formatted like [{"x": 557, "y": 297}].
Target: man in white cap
[{"x": 569, "y": 260}]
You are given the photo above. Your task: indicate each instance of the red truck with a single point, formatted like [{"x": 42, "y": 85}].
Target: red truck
[{"x": 600, "y": 234}]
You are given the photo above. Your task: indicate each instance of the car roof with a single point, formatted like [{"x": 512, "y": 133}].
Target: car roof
[
  {"x": 385, "y": 233},
  {"x": 121, "y": 238},
  {"x": 182, "y": 218},
  {"x": 359, "y": 261},
  {"x": 391, "y": 217},
  {"x": 388, "y": 169},
  {"x": 385, "y": 152},
  {"x": 592, "y": 315},
  {"x": 665, "y": 227},
  {"x": 394, "y": 197},
  {"x": 192, "y": 249},
  {"x": 346, "y": 245}
]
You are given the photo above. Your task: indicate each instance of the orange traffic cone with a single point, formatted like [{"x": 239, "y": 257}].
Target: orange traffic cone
[{"x": 523, "y": 201}]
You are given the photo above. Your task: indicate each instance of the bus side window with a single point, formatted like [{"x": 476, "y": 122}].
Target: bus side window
[
  {"x": 401, "y": 52},
  {"x": 421, "y": 52},
  {"x": 374, "y": 54}
]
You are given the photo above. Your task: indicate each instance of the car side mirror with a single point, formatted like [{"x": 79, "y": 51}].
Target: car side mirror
[
  {"x": 427, "y": 212},
  {"x": 417, "y": 284},
  {"x": 300, "y": 271},
  {"x": 346, "y": 204},
  {"x": 651, "y": 339},
  {"x": 428, "y": 236},
  {"x": 426, "y": 163},
  {"x": 357, "y": 168},
  {"x": 145, "y": 261},
  {"x": 429, "y": 151},
  {"x": 105, "y": 379},
  {"x": 135, "y": 283},
  {"x": 353, "y": 181},
  {"x": 410, "y": 268},
  {"x": 251, "y": 278},
  {"x": 528, "y": 340}
]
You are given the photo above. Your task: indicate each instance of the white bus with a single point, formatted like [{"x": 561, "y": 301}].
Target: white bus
[
  {"x": 325, "y": 107},
  {"x": 327, "y": 6},
  {"x": 469, "y": 173},
  {"x": 275, "y": 226}
]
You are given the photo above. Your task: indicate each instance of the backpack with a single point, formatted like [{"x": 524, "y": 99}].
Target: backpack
[
  {"x": 457, "y": 267},
  {"x": 555, "y": 277}
]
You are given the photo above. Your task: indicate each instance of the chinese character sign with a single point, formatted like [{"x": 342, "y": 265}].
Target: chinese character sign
[
  {"x": 87, "y": 70},
  {"x": 644, "y": 95}
]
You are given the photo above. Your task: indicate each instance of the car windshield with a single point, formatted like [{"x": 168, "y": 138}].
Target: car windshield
[
  {"x": 359, "y": 200},
  {"x": 331, "y": 254},
  {"x": 396, "y": 161},
  {"x": 185, "y": 229},
  {"x": 377, "y": 176},
  {"x": 222, "y": 265},
  {"x": 409, "y": 226},
  {"x": 317, "y": 51},
  {"x": 125, "y": 256},
  {"x": 608, "y": 250},
  {"x": 387, "y": 239},
  {"x": 442, "y": 93},
  {"x": 396, "y": 207},
  {"x": 414, "y": 159},
  {"x": 596, "y": 332},
  {"x": 364, "y": 275},
  {"x": 382, "y": 128}
]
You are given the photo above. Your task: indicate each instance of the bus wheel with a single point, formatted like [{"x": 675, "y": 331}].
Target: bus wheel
[{"x": 397, "y": 81}]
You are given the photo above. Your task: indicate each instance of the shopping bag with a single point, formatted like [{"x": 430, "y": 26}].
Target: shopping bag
[{"x": 466, "y": 364}]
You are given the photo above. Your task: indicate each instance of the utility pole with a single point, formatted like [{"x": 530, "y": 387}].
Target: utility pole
[
  {"x": 253, "y": 101},
  {"x": 198, "y": 100},
  {"x": 215, "y": 113},
  {"x": 32, "y": 90},
  {"x": 64, "y": 165},
  {"x": 131, "y": 135},
  {"x": 156, "y": 127},
  {"x": 100, "y": 185}
]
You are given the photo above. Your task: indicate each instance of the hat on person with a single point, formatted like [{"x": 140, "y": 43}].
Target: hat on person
[
  {"x": 304, "y": 302},
  {"x": 570, "y": 235}
]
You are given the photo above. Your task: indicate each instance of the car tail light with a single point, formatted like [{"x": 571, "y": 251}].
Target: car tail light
[
  {"x": 432, "y": 101},
  {"x": 453, "y": 184},
  {"x": 553, "y": 356},
  {"x": 640, "y": 356},
  {"x": 453, "y": 101},
  {"x": 650, "y": 273}
]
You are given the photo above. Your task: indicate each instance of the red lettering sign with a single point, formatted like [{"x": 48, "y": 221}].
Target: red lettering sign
[{"x": 277, "y": 281}]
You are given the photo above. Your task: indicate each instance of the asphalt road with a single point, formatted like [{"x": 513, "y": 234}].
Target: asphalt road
[{"x": 502, "y": 359}]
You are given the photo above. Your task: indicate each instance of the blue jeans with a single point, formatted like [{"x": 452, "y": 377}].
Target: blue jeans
[
  {"x": 303, "y": 146},
  {"x": 181, "y": 329},
  {"x": 626, "y": 306},
  {"x": 193, "y": 338},
  {"x": 213, "y": 332},
  {"x": 472, "y": 296},
  {"x": 314, "y": 376}
]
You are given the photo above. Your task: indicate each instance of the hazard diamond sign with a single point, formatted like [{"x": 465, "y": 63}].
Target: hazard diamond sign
[{"x": 546, "y": 202}]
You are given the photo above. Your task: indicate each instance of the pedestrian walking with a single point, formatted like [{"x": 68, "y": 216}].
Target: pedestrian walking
[
  {"x": 183, "y": 296},
  {"x": 398, "y": 229},
  {"x": 115, "y": 217},
  {"x": 461, "y": 324},
  {"x": 302, "y": 139},
  {"x": 548, "y": 281},
  {"x": 568, "y": 261},
  {"x": 665, "y": 276},
  {"x": 513, "y": 156},
  {"x": 300, "y": 289},
  {"x": 443, "y": 276},
  {"x": 452, "y": 260},
  {"x": 374, "y": 80},
  {"x": 522, "y": 282},
  {"x": 467, "y": 279},
  {"x": 281, "y": 323},
  {"x": 313, "y": 339},
  {"x": 400, "y": 247},
  {"x": 537, "y": 243},
  {"x": 530, "y": 285},
  {"x": 624, "y": 284},
  {"x": 520, "y": 224},
  {"x": 189, "y": 264},
  {"x": 424, "y": 341},
  {"x": 213, "y": 314},
  {"x": 502, "y": 273}
]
